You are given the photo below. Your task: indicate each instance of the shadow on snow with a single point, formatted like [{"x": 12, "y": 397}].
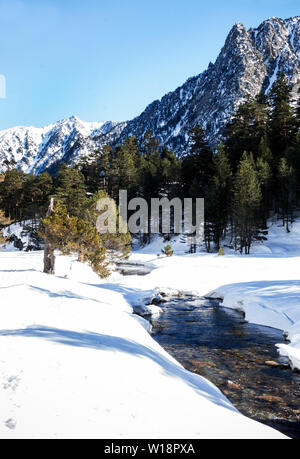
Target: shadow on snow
[{"x": 105, "y": 342}]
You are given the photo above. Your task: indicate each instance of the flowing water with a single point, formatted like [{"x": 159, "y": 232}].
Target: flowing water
[
  {"x": 220, "y": 345},
  {"x": 133, "y": 269}
]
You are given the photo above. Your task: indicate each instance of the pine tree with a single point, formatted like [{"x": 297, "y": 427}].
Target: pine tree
[
  {"x": 246, "y": 203},
  {"x": 264, "y": 173},
  {"x": 218, "y": 202},
  {"x": 73, "y": 234},
  {"x": 150, "y": 166},
  {"x": 264, "y": 150},
  {"x": 105, "y": 169},
  {"x": 95, "y": 168},
  {"x": 282, "y": 123},
  {"x": 70, "y": 189},
  {"x": 124, "y": 167},
  {"x": 44, "y": 183},
  {"x": 297, "y": 111},
  {"x": 197, "y": 165},
  {"x": 286, "y": 180},
  {"x": 247, "y": 129},
  {"x": 3, "y": 222},
  {"x": 117, "y": 245},
  {"x": 11, "y": 192},
  {"x": 292, "y": 152},
  {"x": 89, "y": 167},
  {"x": 169, "y": 169},
  {"x": 68, "y": 235},
  {"x": 150, "y": 145},
  {"x": 296, "y": 152},
  {"x": 159, "y": 170},
  {"x": 35, "y": 196}
]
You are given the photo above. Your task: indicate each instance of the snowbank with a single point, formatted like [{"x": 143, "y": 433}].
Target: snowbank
[
  {"x": 75, "y": 362},
  {"x": 265, "y": 285},
  {"x": 272, "y": 303}
]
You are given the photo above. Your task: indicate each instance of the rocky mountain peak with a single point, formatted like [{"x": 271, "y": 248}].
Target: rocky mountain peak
[
  {"x": 249, "y": 63},
  {"x": 37, "y": 149}
]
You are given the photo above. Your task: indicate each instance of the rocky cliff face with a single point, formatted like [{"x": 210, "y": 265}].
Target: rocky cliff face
[{"x": 248, "y": 63}]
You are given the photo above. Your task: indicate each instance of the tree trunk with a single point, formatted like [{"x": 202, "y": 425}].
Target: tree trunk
[
  {"x": 80, "y": 257},
  {"x": 49, "y": 257}
]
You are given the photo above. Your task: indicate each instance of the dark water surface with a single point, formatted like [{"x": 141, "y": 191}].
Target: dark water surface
[{"x": 218, "y": 344}]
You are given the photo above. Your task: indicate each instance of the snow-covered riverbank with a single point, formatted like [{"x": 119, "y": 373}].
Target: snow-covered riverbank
[
  {"x": 75, "y": 361},
  {"x": 264, "y": 285},
  {"x": 272, "y": 303},
  {"x": 273, "y": 298}
]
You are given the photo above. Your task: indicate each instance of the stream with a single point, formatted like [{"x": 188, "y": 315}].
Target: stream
[{"x": 217, "y": 343}]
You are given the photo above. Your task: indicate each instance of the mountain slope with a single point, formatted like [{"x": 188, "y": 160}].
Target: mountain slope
[
  {"x": 38, "y": 149},
  {"x": 249, "y": 63}
]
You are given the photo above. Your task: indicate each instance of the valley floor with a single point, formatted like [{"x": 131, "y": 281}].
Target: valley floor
[{"x": 76, "y": 362}]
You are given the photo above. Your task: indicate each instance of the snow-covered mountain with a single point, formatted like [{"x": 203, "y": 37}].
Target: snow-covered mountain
[
  {"x": 38, "y": 149},
  {"x": 248, "y": 63}
]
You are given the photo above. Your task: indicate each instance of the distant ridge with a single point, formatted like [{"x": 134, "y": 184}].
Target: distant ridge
[{"x": 248, "y": 63}]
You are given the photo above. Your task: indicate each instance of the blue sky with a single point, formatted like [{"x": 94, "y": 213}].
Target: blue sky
[{"x": 108, "y": 59}]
